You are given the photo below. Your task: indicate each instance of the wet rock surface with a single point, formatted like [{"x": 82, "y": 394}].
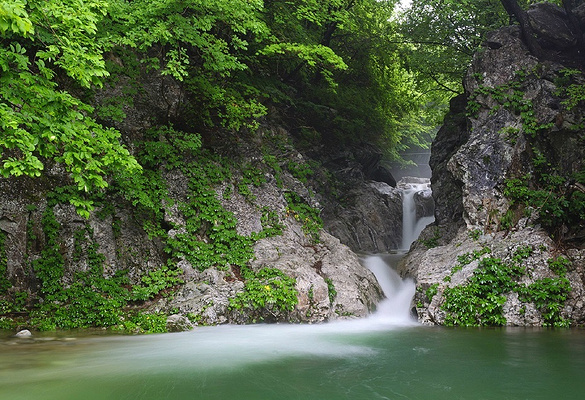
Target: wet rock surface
[
  {"x": 330, "y": 281},
  {"x": 473, "y": 157}
]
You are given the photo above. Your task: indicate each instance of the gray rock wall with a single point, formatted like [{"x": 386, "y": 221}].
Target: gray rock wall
[
  {"x": 476, "y": 152},
  {"x": 330, "y": 281}
]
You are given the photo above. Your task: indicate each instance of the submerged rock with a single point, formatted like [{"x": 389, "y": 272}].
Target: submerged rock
[{"x": 23, "y": 333}]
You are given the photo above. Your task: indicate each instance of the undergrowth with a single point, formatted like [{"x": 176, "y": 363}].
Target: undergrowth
[
  {"x": 267, "y": 294},
  {"x": 480, "y": 300},
  {"x": 206, "y": 237}
]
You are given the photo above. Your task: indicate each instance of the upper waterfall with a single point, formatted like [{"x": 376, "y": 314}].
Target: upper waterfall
[{"x": 417, "y": 208}]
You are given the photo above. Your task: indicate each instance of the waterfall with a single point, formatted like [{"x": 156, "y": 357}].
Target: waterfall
[
  {"x": 395, "y": 309},
  {"x": 412, "y": 226}
]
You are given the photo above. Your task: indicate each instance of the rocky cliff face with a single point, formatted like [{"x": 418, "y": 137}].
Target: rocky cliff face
[
  {"x": 269, "y": 191},
  {"x": 507, "y": 176}
]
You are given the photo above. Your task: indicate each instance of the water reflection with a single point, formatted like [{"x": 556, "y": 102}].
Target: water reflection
[{"x": 330, "y": 361}]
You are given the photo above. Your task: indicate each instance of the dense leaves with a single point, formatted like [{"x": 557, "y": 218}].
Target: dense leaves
[
  {"x": 444, "y": 34},
  {"x": 335, "y": 65},
  {"x": 39, "y": 121},
  {"x": 352, "y": 70}
]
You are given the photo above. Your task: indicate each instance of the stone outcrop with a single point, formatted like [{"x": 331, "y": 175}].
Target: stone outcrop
[
  {"x": 318, "y": 268},
  {"x": 370, "y": 220},
  {"x": 512, "y": 113},
  {"x": 365, "y": 210},
  {"x": 330, "y": 281}
]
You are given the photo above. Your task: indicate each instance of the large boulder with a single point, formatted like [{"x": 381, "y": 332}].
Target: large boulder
[
  {"x": 552, "y": 26},
  {"x": 370, "y": 218}
]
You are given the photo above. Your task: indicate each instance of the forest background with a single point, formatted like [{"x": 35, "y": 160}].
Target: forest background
[{"x": 338, "y": 71}]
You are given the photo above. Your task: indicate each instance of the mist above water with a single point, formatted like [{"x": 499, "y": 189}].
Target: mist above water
[{"x": 217, "y": 347}]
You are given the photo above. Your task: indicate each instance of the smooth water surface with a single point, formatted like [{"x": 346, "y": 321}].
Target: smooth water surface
[
  {"x": 385, "y": 356},
  {"x": 334, "y": 361}
]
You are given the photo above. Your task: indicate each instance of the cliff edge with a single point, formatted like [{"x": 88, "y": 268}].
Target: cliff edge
[{"x": 508, "y": 180}]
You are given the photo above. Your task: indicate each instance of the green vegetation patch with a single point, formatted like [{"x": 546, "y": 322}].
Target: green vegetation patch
[
  {"x": 546, "y": 189},
  {"x": 267, "y": 293},
  {"x": 308, "y": 216},
  {"x": 5, "y": 284},
  {"x": 480, "y": 301},
  {"x": 90, "y": 299}
]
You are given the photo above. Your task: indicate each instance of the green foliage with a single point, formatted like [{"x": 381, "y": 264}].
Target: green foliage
[
  {"x": 14, "y": 18},
  {"x": 468, "y": 258},
  {"x": 549, "y": 296},
  {"x": 89, "y": 299},
  {"x": 331, "y": 290},
  {"x": 317, "y": 57},
  {"x": 144, "y": 323},
  {"x": 301, "y": 171},
  {"x": 39, "y": 121},
  {"x": 5, "y": 284},
  {"x": 571, "y": 87},
  {"x": 206, "y": 218},
  {"x": 444, "y": 34},
  {"x": 271, "y": 161},
  {"x": 167, "y": 146},
  {"x": 205, "y": 45},
  {"x": 49, "y": 268},
  {"x": 544, "y": 189},
  {"x": 511, "y": 97},
  {"x": 267, "y": 292},
  {"x": 480, "y": 301},
  {"x": 507, "y": 220},
  {"x": 210, "y": 238},
  {"x": 373, "y": 97},
  {"x": 434, "y": 240},
  {"x": 559, "y": 265},
  {"x": 12, "y": 304},
  {"x": 547, "y": 193},
  {"x": 475, "y": 234},
  {"x": 230, "y": 58},
  {"x": 155, "y": 282},
  {"x": 271, "y": 225},
  {"x": 521, "y": 253},
  {"x": 431, "y": 291},
  {"x": 308, "y": 216},
  {"x": 252, "y": 176}
]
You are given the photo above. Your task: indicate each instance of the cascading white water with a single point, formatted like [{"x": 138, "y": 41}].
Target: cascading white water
[
  {"x": 411, "y": 225},
  {"x": 395, "y": 309}
]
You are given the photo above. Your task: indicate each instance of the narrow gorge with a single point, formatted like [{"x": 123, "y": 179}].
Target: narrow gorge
[
  {"x": 277, "y": 199},
  {"x": 264, "y": 225}
]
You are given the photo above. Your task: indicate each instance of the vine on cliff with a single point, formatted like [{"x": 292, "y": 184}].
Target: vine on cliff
[
  {"x": 5, "y": 284},
  {"x": 89, "y": 299}
]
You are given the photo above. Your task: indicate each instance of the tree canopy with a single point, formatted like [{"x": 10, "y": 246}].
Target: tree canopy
[
  {"x": 42, "y": 43},
  {"x": 352, "y": 70}
]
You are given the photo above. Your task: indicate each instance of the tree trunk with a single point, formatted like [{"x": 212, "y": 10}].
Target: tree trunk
[{"x": 515, "y": 11}]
